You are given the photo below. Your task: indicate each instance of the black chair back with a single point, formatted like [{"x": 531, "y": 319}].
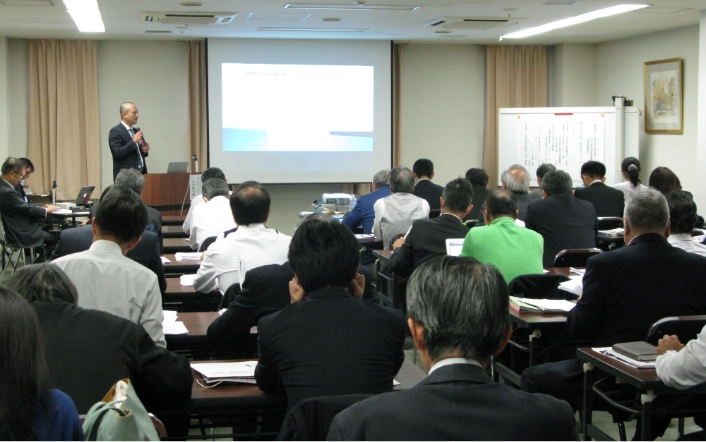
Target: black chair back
[
  {"x": 310, "y": 419},
  {"x": 574, "y": 257},
  {"x": 685, "y": 327},
  {"x": 541, "y": 286},
  {"x": 609, "y": 222},
  {"x": 434, "y": 213}
]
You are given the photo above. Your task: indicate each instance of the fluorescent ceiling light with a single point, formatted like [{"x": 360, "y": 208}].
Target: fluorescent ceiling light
[
  {"x": 352, "y": 7},
  {"x": 315, "y": 29},
  {"x": 607, "y": 12},
  {"x": 85, "y": 14}
]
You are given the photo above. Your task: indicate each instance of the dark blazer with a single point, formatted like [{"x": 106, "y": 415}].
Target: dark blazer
[
  {"x": 523, "y": 200},
  {"x": 90, "y": 350},
  {"x": 124, "y": 150},
  {"x": 430, "y": 192},
  {"x": 425, "y": 240},
  {"x": 21, "y": 191},
  {"x": 606, "y": 200},
  {"x": 265, "y": 291},
  {"x": 329, "y": 344},
  {"x": 146, "y": 252},
  {"x": 626, "y": 290},
  {"x": 565, "y": 222},
  {"x": 20, "y": 217},
  {"x": 457, "y": 402},
  {"x": 479, "y": 194},
  {"x": 363, "y": 212}
]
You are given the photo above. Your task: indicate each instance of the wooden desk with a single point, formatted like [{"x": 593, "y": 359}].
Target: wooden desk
[
  {"x": 174, "y": 220},
  {"x": 645, "y": 380},
  {"x": 175, "y": 268},
  {"x": 196, "y": 344},
  {"x": 174, "y": 245},
  {"x": 186, "y": 299},
  {"x": 173, "y": 231},
  {"x": 60, "y": 219}
]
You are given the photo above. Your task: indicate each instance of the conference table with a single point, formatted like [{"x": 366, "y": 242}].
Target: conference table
[
  {"x": 174, "y": 267},
  {"x": 176, "y": 245},
  {"x": 187, "y": 299}
]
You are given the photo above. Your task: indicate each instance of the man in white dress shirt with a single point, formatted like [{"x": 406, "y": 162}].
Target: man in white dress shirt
[
  {"x": 683, "y": 220},
  {"x": 107, "y": 280},
  {"x": 214, "y": 216},
  {"x": 252, "y": 245},
  {"x": 211, "y": 172}
]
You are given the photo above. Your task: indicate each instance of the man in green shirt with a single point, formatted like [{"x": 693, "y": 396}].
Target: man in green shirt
[{"x": 514, "y": 250}]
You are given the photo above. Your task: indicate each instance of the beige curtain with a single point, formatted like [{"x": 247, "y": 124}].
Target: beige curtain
[
  {"x": 197, "y": 127},
  {"x": 516, "y": 76},
  {"x": 64, "y": 122}
]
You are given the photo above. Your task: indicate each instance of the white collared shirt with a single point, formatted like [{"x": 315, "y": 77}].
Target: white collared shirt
[
  {"x": 451, "y": 361},
  {"x": 227, "y": 260},
  {"x": 685, "y": 368},
  {"x": 210, "y": 219},
  {"x": 108, "y": 281},
  {"x": 684, "y": 242}
]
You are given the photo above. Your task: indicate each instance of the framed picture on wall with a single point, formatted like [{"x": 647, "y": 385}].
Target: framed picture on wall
[{"x": 664, "y": 97}]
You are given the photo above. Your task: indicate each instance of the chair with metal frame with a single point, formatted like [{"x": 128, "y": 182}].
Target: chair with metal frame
[
  {"x": 609, "y": 222},
  {"x": 11, "y": 253},
  {"x": 574, "y": 257}
]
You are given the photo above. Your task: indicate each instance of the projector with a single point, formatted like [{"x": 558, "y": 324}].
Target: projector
[{"x": 340, "y": 202}]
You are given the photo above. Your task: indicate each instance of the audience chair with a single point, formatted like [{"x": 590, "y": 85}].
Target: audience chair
[
  {"x": 310, "y": 419},
  {"x": 11, "y": 253},
  {"x": 609, "y": 222},
  {"x": 471, "y": 223},
  {"x": 574, "y": 257},
  {"x": 434, "y": 213},
  {"x": 539, "y": 286},
  {"x": 685, "y": 327},
  {"x": 207, "y": 242}
]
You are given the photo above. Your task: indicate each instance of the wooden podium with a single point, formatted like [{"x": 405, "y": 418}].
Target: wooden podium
[{"x": 166, "y": 192}]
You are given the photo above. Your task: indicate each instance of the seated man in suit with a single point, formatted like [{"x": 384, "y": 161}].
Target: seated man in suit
[
  {"x": 542, "y": 170},
  {"x": 457, "y": 312},
  {"x": 27, "y": 170},
  {"x": 146, "y": 252},
  {"x": 564, "y": 221},
  {"x": 479, "y": 181},
  {"x": 211, "y": 172},
  {"x": 105, "y": 278},
  {"x": 133, "y": 180},
  {"x": 682, "y": 221},
  {"x": 423, "y": 170},
  {"x": 516, "y": 179},
  {"x": 427, "y": 237},
  {"x": 89, "y": 350},
  {"x": 625, "y": 291},
  {"x": 363, "y": 214},
  {"x": 606, "y": 200},
  {"x": 214, "y": 216},
  {"x": 252, "y": 245},
  {"x": 328, "y": 341},
  {"x": 21, "y": 218},
  {"x": 394, "y": 214},
  {"x": 514, "y": 250}
]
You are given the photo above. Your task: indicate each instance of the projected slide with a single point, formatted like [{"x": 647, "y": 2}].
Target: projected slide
[{"x": 297, "y": 108}]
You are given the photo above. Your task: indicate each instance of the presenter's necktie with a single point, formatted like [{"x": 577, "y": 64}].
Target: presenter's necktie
[{"x": 140, "y": 164}]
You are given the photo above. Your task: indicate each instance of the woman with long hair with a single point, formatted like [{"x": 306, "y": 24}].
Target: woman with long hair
[
  {"x": 29, "y": 409},
  {"x": 630, "y": 167},
  {"x": 664, "y": 180}
]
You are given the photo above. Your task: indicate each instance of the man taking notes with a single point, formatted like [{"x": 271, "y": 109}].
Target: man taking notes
[{"x": 128, "y": 146}]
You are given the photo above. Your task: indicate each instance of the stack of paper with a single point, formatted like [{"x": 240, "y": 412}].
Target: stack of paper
[
  {"x": 187, "y": 256},
  {"x": 607, "y": 351},
  {"x": 573, "y": 285},
  {"x": 171, "y": 326},
  {"x": 165, "y": 260},
  {"x": 619, "y": 231},
  {"x": 187, "y": 280},
  {"x": 529, "y": 305},
  {"x": 217, "y": 372},
  {"x": 63, "y": 211}
]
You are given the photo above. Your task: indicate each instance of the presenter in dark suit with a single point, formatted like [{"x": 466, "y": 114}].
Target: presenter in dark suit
[
  {"x": 21, "y": 218},
  {"x": 564, "y": 221},
  {"x": 427, "y": 238},
  {"x": 625, "y": 291},
  {"x": 127, "y": 143},
  {"x": 423, "y": 174},
  {"x": 606, "y": 200},
  {"x": 328, "y": 341},
  {"x": 146, "y": 252},
  {"x": 457, "y": 310}
]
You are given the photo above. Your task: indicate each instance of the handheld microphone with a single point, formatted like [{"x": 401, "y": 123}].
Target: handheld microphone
[{"x": 136, "y": 129}]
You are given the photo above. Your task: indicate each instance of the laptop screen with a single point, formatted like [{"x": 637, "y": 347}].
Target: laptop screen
[
  {"x": 84, "y": 195},
  {"x": 454, "y": 246}
]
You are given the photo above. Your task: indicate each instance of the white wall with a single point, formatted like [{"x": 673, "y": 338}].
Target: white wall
[
  {"x": 619, "y": 71},
  {"x": 573, "y": 75},
  {"x": 442, "y": 96},
  {"x": 153, "y": 75},
  {"x": 700, "y": 197}
]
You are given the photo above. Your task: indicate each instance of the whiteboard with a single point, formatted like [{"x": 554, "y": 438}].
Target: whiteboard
[{"x": 566, "y": 137}]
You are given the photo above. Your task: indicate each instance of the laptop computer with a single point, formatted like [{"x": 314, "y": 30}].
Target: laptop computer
[
  {"x": 177, "y": 166},
  {"x": 84, "y": 195},
  {"x": 454, "y": 246}
]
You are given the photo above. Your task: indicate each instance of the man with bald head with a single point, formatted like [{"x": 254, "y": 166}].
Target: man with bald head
[
  {"x": 516, "y": 179},
  {"x": 126, "y": 141}
]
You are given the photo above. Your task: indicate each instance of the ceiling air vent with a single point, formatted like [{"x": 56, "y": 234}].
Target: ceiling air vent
[
  {"x": 471, "y": 23},
  {"x": 189, "y": 18},
  {"x": 157, "y": 32}
]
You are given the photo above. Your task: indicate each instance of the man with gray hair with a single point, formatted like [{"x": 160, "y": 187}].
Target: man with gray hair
[
  {"x": 133, "y": 180},
  {"x": 214, "y": 216},
  {"x": 625, "y": 291},
  {"x": 564, "y": 221},
  {"x": 458, "y": 319},
  {"x": 516, "y": 179},
  {"x": 394, "y": 214},
  {"x": 363, "y": 214},
  {"x": 542, "y": 170}
]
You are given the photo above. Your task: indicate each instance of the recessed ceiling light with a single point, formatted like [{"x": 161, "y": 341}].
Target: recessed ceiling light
[
  {"x": 86, "y": 15},
  {"x": 331, "y": 19},
  {"x": 191, "y": 4},
  {"x": 314, "y": 29},
  {"x": 607, "y": 12},
  {"x": 353, "y": 7}
]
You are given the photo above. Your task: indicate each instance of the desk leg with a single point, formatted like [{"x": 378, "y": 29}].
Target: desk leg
[
  {"x": 646, "y": 421},
  {"x": 587, "y": 400},
  {"x": 532, "y": 347}
]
